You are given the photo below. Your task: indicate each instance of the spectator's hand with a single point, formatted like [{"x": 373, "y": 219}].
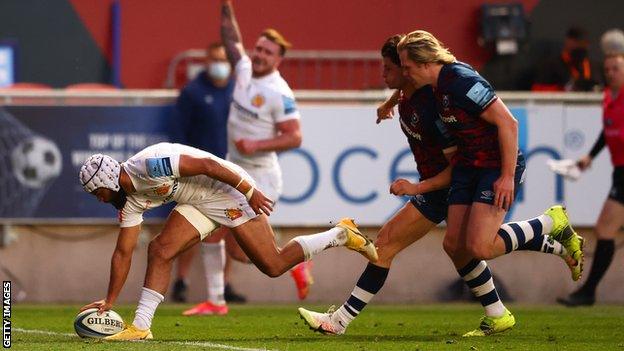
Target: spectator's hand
[
  {"x": 504, "y": 192},
  {"x": 402, "y": 187},
  {"x": 260, "y": 203},
  {"x": 584, "y": 162},
  {"x": 384, "y": 111},
  {"x": 246, "y": 146},
  {"x": 101, "y": 305}
]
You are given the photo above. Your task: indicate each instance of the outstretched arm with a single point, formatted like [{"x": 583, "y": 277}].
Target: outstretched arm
[
  {"x": 120, "y": 266},
  {"x": 230, "y": 34}
]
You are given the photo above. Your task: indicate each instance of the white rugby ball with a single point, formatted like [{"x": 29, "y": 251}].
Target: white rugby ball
[{"x": 88, "y": 324}]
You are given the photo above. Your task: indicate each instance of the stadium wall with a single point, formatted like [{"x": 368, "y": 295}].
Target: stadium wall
[{"x": 61, "y": 42}]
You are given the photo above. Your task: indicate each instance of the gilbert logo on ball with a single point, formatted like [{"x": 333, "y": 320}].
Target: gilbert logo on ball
[{"x": 88, "y": 324}]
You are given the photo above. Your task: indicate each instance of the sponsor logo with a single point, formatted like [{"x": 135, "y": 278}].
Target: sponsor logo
[
  {"x": 608, "y": 121},
  {"x": 420, "y": 199},
  {"x": 449, "y": 119},
  {"x": 243, "y": 111},
  {"x": 409, "y": 131},
  {"x": 233, "y": 213},
  {"x": 487, "y": 195},
  {"x": 6, "y": 314},
  {"x": 258, "y": 100}
]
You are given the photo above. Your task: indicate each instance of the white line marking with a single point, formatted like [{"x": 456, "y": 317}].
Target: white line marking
[{"x": 180, "y": 343}]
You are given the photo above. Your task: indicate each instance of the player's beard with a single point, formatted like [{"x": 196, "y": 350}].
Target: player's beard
[{"x": 119, "y": 200}]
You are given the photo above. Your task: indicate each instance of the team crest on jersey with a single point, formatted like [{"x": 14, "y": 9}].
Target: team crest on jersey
[
  {"x": 609, "y": 122},
  {"x": 414, "y": 119},
  {"x": 233, "y": 213},
  {"x": 258, "y": 100},
  {"x": 162, "y": 190},
  {"x": 445, "y": 101}
]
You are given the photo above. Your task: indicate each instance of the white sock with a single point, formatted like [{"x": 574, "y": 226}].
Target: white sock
[
  {"x": 213, "y": 257},
  {"x": 148, "y": 303},
  {"x": 315, "y": 243}
]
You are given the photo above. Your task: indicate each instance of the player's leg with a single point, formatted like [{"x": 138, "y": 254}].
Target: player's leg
[
  {"x": 475, "y": 273},
  {"x": 404, "y": 228},
  {"x": 180, "y": 286},
  {"x": 177, "y": 235},
  {"x": 487, "y": 239},
  {"x": 213, "y": 260},
  {"x": 610, "y": 221}
]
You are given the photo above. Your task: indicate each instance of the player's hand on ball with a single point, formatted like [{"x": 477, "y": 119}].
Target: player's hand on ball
[
  {"x": 260, "y": 203},
  {"x": 384, "y": 111},
  {"x": 504, "y": 192},
  {"x": 101, "y": 305},
  {"x": 402, "y": 187},
  {"x": 246, "y": 146}
]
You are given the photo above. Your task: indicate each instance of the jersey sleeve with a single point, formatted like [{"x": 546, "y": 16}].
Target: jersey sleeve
[
  {"x": 131, "y": 214},
  {"x": 243, "y": 71},
  {"x": 285, "y": 106},
  {"x": 163, "y": 166},
  {"x": 472, "y": 93}
]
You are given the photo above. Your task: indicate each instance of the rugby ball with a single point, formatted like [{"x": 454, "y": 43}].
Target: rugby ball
[{"x": 88, "y": 324}]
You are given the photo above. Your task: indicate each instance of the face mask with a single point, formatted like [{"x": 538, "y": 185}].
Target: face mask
[{"x": 219, "y": 70}]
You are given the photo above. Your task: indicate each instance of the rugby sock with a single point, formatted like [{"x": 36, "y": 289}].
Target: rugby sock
[
  {"x": 546, "y": 244},
  {"x": 516, "y": 234},
  {"x": 370, "y": 282},
  {"x": 148, "y": 303},
  {"x": 478, "y": 277},
  {"x": 602, "y": 260},
  {"x": 315, "y": 243},
  {"x": 213, "y": 257}
]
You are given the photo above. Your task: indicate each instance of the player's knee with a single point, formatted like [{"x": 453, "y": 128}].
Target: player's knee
[
  {"x": 480, "y": 250},
  {"x": 271, "y": 269},
  {"x": 450, "y": 246},
  {"x": 157, "y": 251}
]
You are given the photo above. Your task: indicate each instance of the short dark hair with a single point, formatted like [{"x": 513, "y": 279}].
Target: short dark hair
[
  {"x": 576, "y": 33},
  {"x": 389, "y": 49}
]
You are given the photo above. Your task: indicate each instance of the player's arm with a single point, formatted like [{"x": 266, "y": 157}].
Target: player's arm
[
  {"x": 499, "y": 115},
  {"x": 120, "y": 266},
  {"x": 288, "y": 137},
  {"x": 586, "y": 161},
  {"x": 191, "y": 166},
  {"x": 230, "y": 34},
  {"x": 441, "y": 180},
  {"x": 386, "y": 108}
]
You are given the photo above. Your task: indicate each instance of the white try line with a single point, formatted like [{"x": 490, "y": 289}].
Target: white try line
[{"x": 180, "y": 343}]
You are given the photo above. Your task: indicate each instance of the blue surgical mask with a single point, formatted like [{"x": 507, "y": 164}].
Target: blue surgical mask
[{"x": 219, "y": 70}]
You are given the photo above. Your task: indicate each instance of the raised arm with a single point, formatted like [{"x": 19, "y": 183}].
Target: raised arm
[{"x": 230, "y": 34}]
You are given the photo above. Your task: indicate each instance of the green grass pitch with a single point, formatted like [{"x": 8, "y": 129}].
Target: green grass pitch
[{"x": 380, "y": 327}]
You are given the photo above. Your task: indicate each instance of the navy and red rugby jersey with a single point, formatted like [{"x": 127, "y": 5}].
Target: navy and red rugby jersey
[
  {"x": 461, "y": 96},
  {"x": 426, "y": 134},
  {"x": 613, "y": 124}
]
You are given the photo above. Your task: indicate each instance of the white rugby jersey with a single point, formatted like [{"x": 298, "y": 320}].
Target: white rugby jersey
[
  {"x": 155, "y": 174},
  {"x": 257, "y": 105}
]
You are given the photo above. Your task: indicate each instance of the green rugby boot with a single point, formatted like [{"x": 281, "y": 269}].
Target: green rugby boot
[{"x": 493, "y": 325}]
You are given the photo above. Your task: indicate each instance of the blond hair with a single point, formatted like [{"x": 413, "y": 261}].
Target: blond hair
[
  {"x": 276, "y": 37},
  {"x": 423, "y": 47}
]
